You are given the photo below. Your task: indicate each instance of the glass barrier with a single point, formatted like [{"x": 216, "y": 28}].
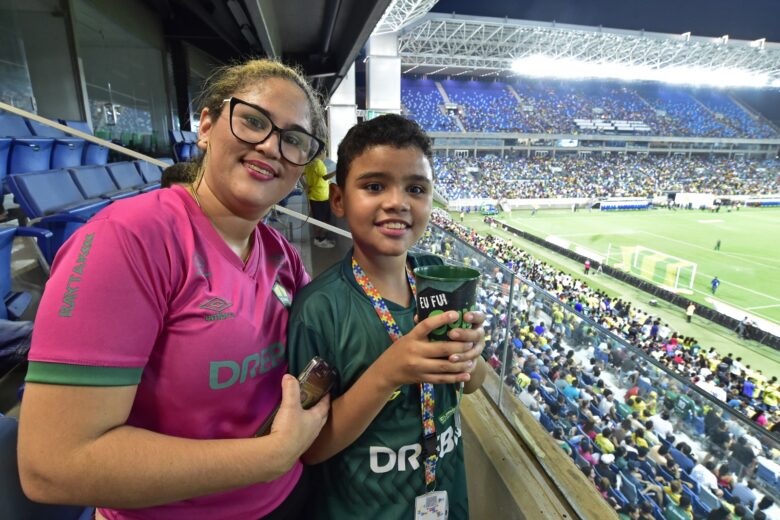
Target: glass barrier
[{"x": 600, "y": 395}]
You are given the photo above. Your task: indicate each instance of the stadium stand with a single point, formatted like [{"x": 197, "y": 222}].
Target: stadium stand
[
  {"x": 582, "y": 107},
  {"x": 423, "y": 103},
  {"x": 622, "y": 413},
  {"x": 600, "y": 176}
]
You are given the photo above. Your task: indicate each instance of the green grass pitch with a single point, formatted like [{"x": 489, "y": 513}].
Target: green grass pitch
[{"x": 748, "y": 263}]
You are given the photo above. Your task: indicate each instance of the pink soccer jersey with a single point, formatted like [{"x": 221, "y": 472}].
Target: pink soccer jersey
[{"x": 148, "y": 293}]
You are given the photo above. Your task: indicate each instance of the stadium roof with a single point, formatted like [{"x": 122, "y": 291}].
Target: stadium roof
[{"x": 480, "y": 46}]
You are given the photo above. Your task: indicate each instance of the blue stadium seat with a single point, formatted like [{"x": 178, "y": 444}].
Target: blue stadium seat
[
  {"x": 708, "y": 499},
  {"x": 181, "y": 149},
  {"x": 66, "y": 151},
  {"x": 546, "y": 422},
  {"x": 126, "y": 176},
  {"x": 685, "y": 463},
  {"x": 15, "y": 303},
  {"x": 93, "y": 153},
  {"x": 5, "y": 150},
  {"x": 150, "y": 172},
  {"x": 618, "y": 496},
  {"x": 95, "y": 182},
  {"x": 191, "y": 138},
  {"x": 28, "y": 153},
  {"x": 54, "y": 196},
  {"x": 628, "y": 489},
  {"x": 15, "y": 505},
  {"x": 699, "y": 509}
]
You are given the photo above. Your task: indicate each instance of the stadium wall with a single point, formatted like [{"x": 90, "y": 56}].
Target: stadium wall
[{"x": 751, "y": 332}]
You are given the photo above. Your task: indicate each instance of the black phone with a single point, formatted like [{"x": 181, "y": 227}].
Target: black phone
[{"x": 316, "y": 380}]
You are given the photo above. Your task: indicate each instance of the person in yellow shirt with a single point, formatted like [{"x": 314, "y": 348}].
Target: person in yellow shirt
[
  {"x": 603, "y": 442},
  {"x": 315, "y": 176}
]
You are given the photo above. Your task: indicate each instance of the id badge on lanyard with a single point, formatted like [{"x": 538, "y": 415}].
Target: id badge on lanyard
[{"x": 432, "y": 506}]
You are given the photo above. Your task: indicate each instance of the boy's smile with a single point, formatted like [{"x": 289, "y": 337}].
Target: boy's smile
[{"x": 387, "y": 199}]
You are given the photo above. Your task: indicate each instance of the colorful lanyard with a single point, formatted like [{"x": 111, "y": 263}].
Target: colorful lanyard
[{"x": 427, "y": 401}]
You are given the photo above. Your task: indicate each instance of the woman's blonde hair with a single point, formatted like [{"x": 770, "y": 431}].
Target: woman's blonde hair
[{"x": 228, "y": 80}]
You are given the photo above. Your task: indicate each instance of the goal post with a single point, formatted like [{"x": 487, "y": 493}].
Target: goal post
[{"x": 672, "y": 272}]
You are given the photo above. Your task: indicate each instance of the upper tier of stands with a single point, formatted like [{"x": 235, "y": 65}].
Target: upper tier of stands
[
  {"x": 536, "y": 106},
  {"x": 600, "y": 176}
]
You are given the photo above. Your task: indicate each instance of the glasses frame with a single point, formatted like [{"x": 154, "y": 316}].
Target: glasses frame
[{"x": 233, "y": 101}]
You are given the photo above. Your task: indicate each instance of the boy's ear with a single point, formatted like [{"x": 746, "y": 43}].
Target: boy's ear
[{"x": 336, "y": 200}]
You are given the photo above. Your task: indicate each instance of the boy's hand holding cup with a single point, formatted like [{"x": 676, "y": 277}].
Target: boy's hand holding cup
[{"x": 442, "y": 288}]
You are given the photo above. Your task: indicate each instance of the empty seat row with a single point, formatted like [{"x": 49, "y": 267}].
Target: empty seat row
[
  {"x": 64, "y": 199},
  {"x": 27, "y": 146}
]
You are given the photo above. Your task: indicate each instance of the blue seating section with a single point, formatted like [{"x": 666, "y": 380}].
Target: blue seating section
[
  {"x": 423, "y": 103},
  {"x": 554, "y": 106},
  {"x": 64, "y": 199},
  {"x": 184, "y": 145}
]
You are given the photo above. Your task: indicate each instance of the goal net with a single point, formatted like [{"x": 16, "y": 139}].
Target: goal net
[{"x": 660, "y": 268}]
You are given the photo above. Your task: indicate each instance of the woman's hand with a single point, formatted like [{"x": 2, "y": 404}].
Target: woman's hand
[{"x": 294, "y": 427}]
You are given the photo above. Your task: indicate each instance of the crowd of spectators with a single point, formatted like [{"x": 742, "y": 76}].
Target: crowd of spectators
[
  {"x": 548, "y": 106},
  {"x": 424, "y": 104},
  {"x": 650, "y": 445},
  {"x": 595, "y": 176}
]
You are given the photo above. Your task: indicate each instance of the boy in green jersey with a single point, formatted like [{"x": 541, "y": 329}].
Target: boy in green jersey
[{"x": 369, "y": 457}]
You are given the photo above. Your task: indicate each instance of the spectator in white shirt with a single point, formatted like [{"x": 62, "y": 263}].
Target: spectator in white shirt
[
  {"x": 662, "y": 426},
  {"x": 703, "y": 474}
]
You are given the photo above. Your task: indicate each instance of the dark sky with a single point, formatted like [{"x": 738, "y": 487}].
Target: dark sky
[{"x": 740, "y": 19}]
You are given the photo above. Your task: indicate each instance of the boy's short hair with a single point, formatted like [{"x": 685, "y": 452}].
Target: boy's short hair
[
  {"x": 389, "y": 130},
  {"x": 178, "y": 173}
]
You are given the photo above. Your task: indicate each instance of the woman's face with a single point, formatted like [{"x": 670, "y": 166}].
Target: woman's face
[{"x": 248, "y": 179}]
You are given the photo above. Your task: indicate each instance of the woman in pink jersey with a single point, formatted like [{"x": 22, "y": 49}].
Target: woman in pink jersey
[{"x": 159, "y": 346}]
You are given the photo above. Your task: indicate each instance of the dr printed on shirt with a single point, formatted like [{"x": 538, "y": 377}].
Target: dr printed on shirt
[{"x": 432, "y": 506}]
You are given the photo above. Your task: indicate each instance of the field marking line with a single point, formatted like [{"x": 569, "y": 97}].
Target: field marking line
[
  {"x": 703, "y": 248},
  {"x": 763, "y": 307},
  {"x": 767, "y": 258}
]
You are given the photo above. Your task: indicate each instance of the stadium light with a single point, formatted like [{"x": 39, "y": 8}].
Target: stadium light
[{"x": 542, "y": 66}]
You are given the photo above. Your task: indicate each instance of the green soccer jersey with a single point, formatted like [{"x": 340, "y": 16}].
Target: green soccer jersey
[{"x": 381, "y": 473}]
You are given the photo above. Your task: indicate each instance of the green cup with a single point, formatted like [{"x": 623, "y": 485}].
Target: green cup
[{"x": 442, "y": 288}]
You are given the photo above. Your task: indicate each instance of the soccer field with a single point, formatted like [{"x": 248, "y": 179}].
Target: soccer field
[{"x": 748, "y": 263}]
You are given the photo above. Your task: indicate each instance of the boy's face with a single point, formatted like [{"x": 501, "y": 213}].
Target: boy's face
[{"x": 387, "y": 199}]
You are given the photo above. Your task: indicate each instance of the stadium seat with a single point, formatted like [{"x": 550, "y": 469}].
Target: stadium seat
[
  {"x": 93, "y": 153},
  {"x": 546, "y": 422},
  {"x": 628, "y": 489},
  {"x": 15, "y": 303},
  {"x": 15, "y": 505},
  {"x": 28, "y": 153},
  {"x": 126, "y": 176},
  {"x": 66, "y": 152},
  {"x": 150, "y": 172},
  {"x": 191, "y": 138},
  {"x": 95, "y": 182},
  {"x": 709, "y": 500},
  {"x": 53, "y": 196},
  {"x": 699, "y": 509},
  {"x": 181, "y": 149},
  {"x": 685, "y": 463},
  {"x": 5, "y": 150}
]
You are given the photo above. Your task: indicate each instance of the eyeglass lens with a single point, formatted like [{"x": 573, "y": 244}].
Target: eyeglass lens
[{"x": 253, "y": 126}]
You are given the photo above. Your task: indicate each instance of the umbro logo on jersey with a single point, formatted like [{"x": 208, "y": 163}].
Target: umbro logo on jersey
[{"x": 217, "y": 306}]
